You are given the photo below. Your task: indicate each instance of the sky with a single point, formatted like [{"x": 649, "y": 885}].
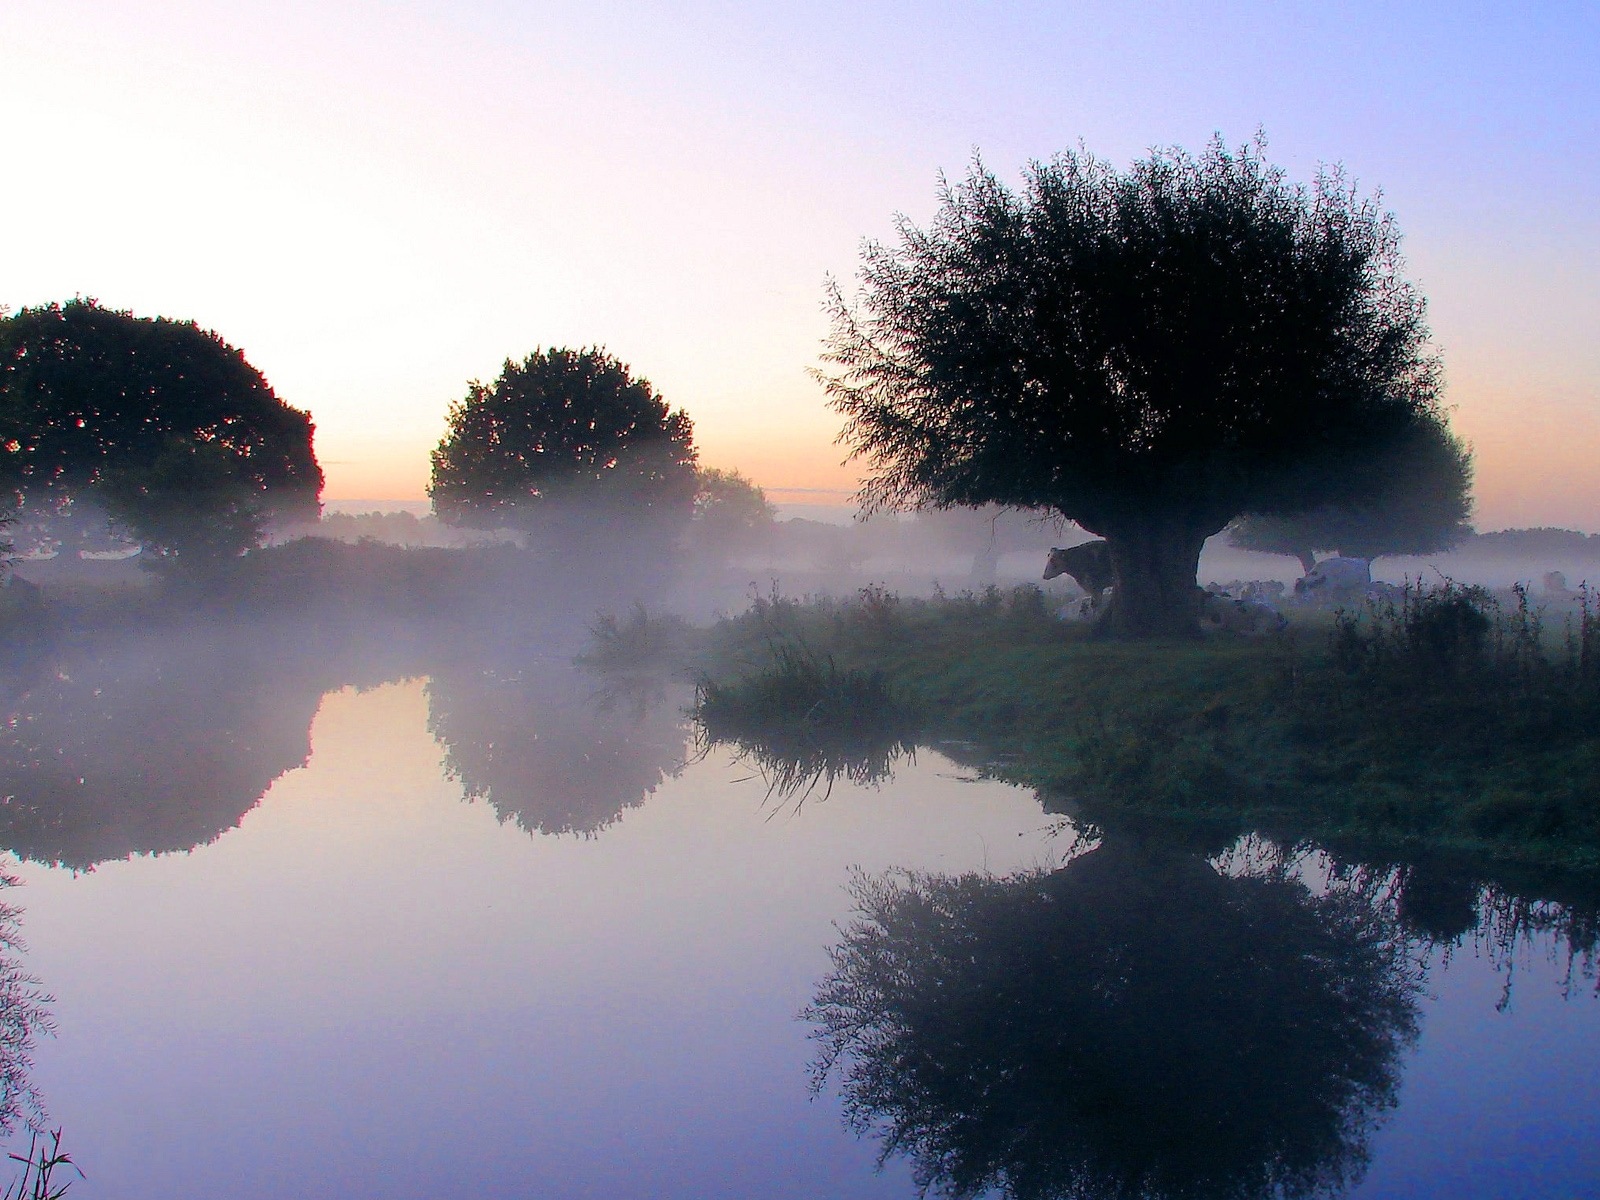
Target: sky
[{"x": 379, "y": 202}]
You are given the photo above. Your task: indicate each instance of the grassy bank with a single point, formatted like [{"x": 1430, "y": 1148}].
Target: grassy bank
[{"x": 1445, "y": 721}]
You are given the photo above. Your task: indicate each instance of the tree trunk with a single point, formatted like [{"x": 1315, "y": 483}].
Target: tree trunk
[{"x": 1155, "y": 561}]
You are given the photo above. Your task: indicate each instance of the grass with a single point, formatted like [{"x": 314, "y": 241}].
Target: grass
[
  {"x": 806, "y": 722},
  {"x": 39, "y": 1167},
  {"x": 1446, "y": 720}
]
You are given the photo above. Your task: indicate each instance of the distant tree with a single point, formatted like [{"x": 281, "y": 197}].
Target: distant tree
[
  {"x": 1544, "y": 539},
  {"x": 87, "y": 392},
  {"x": 561, "y": 433},
  {"x": 731, "y": 514},
  {"x": 1420, "y": 506},
  {"x": 1148, "y": 354}
]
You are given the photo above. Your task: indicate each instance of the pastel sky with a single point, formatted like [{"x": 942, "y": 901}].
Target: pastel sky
[{"x": 380, "y": 201}]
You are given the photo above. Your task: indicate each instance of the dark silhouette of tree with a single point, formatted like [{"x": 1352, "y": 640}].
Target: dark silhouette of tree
[
  {"x": 1149, "y": 354},
  {"x": 88, "y": 392},
  {"x": 1420, "y": 506},
  {"x": 545, "y": 746},
  {"x": 1136, "y": 1024},
  {"x": 562, "y": 438},
  {"x": 191, "y": 506}
]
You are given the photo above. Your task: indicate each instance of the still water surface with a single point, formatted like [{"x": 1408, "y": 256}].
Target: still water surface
[{"x": 398, "y": 977}]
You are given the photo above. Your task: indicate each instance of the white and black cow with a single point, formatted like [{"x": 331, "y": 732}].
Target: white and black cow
[
  {"x": 1334, "y": 579},
  {"x": 1251, "y": 618}
]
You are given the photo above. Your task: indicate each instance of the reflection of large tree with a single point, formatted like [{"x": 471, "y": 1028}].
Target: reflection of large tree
[
  {"x": 1135, "y": 1024},
  {"x": 151, "y": 746},
  {"x": 544, "y": 748}
]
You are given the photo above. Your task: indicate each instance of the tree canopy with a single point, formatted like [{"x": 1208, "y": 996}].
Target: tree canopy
[
  {"x": 1149, "y": 354},
  {"x": 563, "y": 431},
  {"x": 88, "y": 392},
  {"x": 1420, "y": 506}
]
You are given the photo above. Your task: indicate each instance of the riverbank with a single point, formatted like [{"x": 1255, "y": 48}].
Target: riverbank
[{"x": 1448, "y": 724}]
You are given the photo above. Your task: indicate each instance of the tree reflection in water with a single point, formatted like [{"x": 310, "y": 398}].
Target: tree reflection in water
[
  {"x": 150, "y": 746},
  {"x": 546, "y": 747},
  {"x": 1134, "y": 1024}
]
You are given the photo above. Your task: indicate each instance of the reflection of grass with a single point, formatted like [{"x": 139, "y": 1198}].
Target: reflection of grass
[{"x": 805, "y": 721}]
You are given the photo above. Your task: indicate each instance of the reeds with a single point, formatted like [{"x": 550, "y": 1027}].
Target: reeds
[
  {"x": 44, "y": 1158},
  {"x": 805, "y": 721}
]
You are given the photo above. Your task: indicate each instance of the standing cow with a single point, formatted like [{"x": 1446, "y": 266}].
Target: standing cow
[{"x": 1088, "y": 564}]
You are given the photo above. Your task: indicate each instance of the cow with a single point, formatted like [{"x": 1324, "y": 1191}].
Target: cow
[
  {"x": 1089, "y": 565},
  {"x": 1334, "y": 579},
  {"x": 1252, "y": 618}
]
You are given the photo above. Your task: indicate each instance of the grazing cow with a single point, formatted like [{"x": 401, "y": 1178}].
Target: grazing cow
[
  {"x": 1334, "y": 579},
  {"x": 1089, "y": 564}
]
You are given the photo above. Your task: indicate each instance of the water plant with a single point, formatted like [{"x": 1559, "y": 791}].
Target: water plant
[
  {"x": 39, "y": 1166},
  {"x": 804, "y": 720}
]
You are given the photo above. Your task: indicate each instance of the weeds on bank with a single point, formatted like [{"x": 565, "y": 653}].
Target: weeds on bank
[
  {"x": 639, "y": 642},
  {"x": 1466, "y": 712},
  {"x": 805, "y": 721},
  {"x": 1435, "y": 657}
]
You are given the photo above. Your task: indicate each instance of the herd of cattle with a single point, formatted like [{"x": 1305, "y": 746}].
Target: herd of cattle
[{"x": 1239, "y": 606}]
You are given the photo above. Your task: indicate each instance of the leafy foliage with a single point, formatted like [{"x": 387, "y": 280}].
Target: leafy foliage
[
  {"x": 87, "y": 392},
  {"x": 1421, "y": 506},
  {"x": 1149, "y": 354},
  {"x": 563, "y": 429},
  {"x": 190, "y": 506},
  {"x": 731, "y": 514}
]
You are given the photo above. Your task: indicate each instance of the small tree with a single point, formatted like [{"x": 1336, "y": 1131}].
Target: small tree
[
  {"x": 1421, "y": 506},
  {"x": 88, "y": 392},
  {"x": 731, "y": 514},
  {"x": 563, "y": 433},
  {"x": 1149, "y": 354}
]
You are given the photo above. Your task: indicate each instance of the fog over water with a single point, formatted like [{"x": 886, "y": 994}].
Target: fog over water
[{"x": 358, "y": 899}]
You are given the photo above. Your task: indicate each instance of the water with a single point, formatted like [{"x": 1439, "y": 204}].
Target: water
[{"x": 588, "y": 980}]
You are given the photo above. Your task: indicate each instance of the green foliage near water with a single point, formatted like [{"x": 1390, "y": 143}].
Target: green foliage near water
[
  {"x": 805, "y": 721},
  {"x": 1446, "y": 719}
]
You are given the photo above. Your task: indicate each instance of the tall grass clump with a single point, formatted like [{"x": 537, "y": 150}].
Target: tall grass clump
[
  {"x": 804, "y": 720},
  {"x": 1469, "y": 699},
  {"x": 39, "y": 1166},
  {"x": 638, "y": 642},
  {"x": 1462, "y": 643}
]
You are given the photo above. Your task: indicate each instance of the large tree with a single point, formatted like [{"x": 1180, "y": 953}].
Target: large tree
[
  {"x": 1421, "y": 506},
  {"x": 1149, "y": 354},
  {"x": 88, "y": 393},
  {"x": 564, "y": 433}
]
